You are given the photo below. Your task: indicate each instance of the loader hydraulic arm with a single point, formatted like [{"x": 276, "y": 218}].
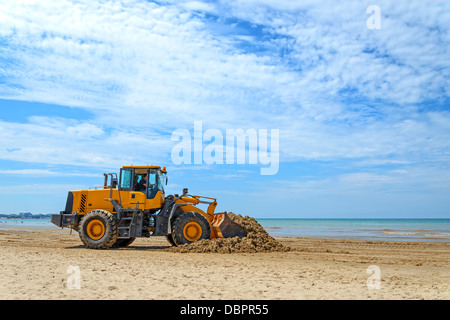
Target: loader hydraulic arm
[{"x": 196, "y": 200}]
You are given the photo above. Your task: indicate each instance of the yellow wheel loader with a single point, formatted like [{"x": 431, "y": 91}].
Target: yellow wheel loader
[{"x": 135, "y": 205}]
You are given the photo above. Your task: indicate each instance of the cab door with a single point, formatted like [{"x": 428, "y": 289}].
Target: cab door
[
  {"x": 155, "y": 191},
  {"x": 127, "y": 183},
  {"x": 152, "y": 183}
]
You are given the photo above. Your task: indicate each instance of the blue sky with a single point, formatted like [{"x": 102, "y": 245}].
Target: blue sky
[{"x": 363, "y": 114}]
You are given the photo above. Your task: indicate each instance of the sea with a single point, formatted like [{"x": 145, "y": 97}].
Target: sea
[{"x": 419, "y": 230}]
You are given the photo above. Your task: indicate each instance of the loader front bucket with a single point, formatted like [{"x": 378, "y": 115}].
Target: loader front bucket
[{"x": 224, "y": 227}]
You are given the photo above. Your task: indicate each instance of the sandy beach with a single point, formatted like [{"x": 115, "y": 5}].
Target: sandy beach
[{"x": 42, "y": 264}]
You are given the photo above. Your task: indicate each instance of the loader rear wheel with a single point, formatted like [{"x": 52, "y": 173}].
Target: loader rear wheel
[
  {"x": 189, "y": 227},
  {"x": 98, "y": 230}
]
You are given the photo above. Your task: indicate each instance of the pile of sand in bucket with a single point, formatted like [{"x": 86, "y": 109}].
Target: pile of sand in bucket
[{"x": 257, "y": 240}]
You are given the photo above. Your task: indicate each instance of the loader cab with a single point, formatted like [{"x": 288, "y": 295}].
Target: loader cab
[{"x": 134, "y": 178}]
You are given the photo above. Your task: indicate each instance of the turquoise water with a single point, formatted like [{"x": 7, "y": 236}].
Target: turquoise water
[
  {"x": 4, "y": 223},
  {"x": 423, "y": 230},
  {"x": 427, "y": 230}
]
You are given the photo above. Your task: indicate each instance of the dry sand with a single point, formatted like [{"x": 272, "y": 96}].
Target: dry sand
[{"x": 34, "y": 265}]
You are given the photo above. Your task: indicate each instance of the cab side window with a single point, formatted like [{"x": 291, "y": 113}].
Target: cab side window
[{"x": 125, "y": 179}]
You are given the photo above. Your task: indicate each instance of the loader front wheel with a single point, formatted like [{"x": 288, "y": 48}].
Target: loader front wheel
[
  {"x": 98, "y": 230},
  {"x": 189, "y": 227},
  {"x": 170, "y": 240}
]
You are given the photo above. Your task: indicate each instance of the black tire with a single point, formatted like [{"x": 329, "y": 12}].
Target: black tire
[
  {"x": 98, "y": 230},
  {"x": 170, "y": 240},
  {"x": 121, "y": 243},
  {"x": 187, "y": 222}
]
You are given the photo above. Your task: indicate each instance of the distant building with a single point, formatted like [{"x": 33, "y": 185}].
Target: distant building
[{"x": 25, "y": 215}]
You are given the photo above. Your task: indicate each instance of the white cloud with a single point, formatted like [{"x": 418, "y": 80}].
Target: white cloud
[
  {"x": 199, "y": 6},
  {"x": 334, "y": 88},
  {"x": 62, "y": 141},
  {"x": 41, "y": 189},
  {"x": 408, "y": 183},
  {"x": 45, "y": 173}
]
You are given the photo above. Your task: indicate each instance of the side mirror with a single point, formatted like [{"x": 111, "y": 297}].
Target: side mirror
[{"x": 105, "y": 184}]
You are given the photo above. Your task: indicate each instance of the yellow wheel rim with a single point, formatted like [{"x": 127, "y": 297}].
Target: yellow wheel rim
[
  {"x": 192, "y": 231},
  {"x": 95, "y": 229}
]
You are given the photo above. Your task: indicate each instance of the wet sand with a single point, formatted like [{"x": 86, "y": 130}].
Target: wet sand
[{"x": 43, "y": 264}]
